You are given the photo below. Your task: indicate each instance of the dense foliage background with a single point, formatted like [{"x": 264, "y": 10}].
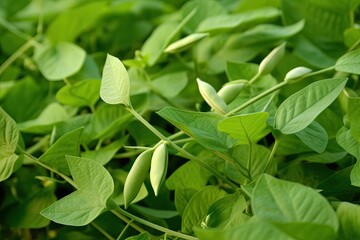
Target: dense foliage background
[{"x": 232, "y": 119}]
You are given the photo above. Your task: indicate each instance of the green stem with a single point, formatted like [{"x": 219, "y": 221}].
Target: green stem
[
  {"x": 256, "y": 77},
  {"x": 154, "y": 226},
  {"x": 103, "y": 232},
  {"x": 272, "y": 154},
  {"x": 310, "y": 74},
  {"x": 124, "y": 230},
  {"x": 40, "y": 144},
  {"x": 11, "y": 28},
  {"x": 128, "y": 221},
  {"x": 16, "y": 55},
  {"x": 179, "y": 149},
  {"x": 255, "y": 99},
  {"x": 36, "y": 160}
]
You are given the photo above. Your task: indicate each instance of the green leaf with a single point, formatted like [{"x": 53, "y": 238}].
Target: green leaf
[
  {"x": 189, "y": 175},
  {"x": 27, "y": 215},
  {"x": 349, "y": 62},
  {"x": 301, "y": 108},
  {"x": 60, "y": 61},
  {"x": 106, "y": 122},
  {"x": 105, "y": 154},
  {"x": 205, "y": 9},
  {"x": 182, "y": 197},
  {"x": 348, "y": 215},
  {"x": 348, "y": 142},
  {"x": 306, "y": 231},
  {"x": 227, "y": 212},
  {"x": 324, "y": 157},
  {"x": 249, "y": 231},
  {"x": 202, "y": 126},
  {"x": 82, "y": 93},
  {"x": 247, "y": 128},
  {"x": 287, "y": 202},
  {"x": 254, "y": 157},
  {"x": 354, "y": 116},
  {"x": 171, "y": 84},
  {"x": 220, "y": 23},
  {"x": 153, "y": 47},
  {"x": 196, "y": 209},
  {"x": 68, "y": 25},
  {"x": 65, "y": 145},
  {"x": 267, "y": 33},
  {"x": 355, "y": 174},
  {"x": 141, "y": 236},
  {"x": 9, "y": 138},
  {"x": 53, "y": 113},
  {"x": 95, "y": 186},
  {"x": 314, "y": 136},
  {"x": 115, "y": 83}
]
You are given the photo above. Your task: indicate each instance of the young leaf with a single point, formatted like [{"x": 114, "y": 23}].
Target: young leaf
[
  {"x": 65, "y": 145},
  {"x": 60, "y": 61},
  {"x": 349, "y": 62},
  {"x": 314, "y": 136},
  {"x": 301, "y": 108},
  {"x": 9, "y": 137},
  {"x": 247, "y": 128},
  {"x": 226, "y": 212},
  {"x": 287, "y": 202},
  {"x": 115, "y": 83},
  {"x": 195, "y": 210},
  {"x": 95, "y": 186}
]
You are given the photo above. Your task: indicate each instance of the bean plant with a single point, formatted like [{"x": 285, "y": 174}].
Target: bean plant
[{"x": 201, "y": 119}]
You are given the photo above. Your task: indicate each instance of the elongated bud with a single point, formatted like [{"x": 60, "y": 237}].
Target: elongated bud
[
  {"x": 137, "y": 175},
  {"x": 211, "y": 97},
  {"x": 230, "y": 90},
  {"x": 271, "y": 60},
  {"x": 158, "y": 169},
  {"x": 185, "y": 42},
  {"x": 296, "y": 73}
]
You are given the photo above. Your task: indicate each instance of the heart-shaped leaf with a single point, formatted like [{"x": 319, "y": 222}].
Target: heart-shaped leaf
[{"x": 95, "y": 186}]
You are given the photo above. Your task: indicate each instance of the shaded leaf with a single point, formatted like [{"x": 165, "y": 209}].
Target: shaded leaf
[{"x": 314, "y": 136}]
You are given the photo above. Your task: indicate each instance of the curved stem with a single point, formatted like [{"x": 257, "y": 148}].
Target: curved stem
[
  {"x": 16, "y": 55},
  {"x": 152, "y": 225},
  {"x": 36, "y": 160},
  {"x": 179, "y": 149},
  {"x": 255, "y": 99},
  {"x": 272, "y": 154},
  {"x": 103, "y": 232}
]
